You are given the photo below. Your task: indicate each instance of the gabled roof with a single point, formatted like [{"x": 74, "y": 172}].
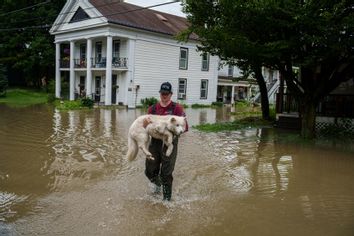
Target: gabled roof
[{"x": 146, "y": 19}]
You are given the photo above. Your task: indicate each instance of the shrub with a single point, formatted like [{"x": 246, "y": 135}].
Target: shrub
[
  {"x": 87, "y": 102},
  {"x": 217, "y": 104},
  {"x": 51, "y": 86},
  {"x": 196, "y": 105},
  {"x": 51, "y": 98},
  {"x": 146, "y": 102}
]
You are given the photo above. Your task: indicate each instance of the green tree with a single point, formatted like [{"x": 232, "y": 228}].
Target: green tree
[
  {"x": 27, "y": 47},
  {"x": 316, "y": 36}
]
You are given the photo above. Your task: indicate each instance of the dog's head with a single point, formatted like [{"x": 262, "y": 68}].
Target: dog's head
[{"x": 177, "y": 125}]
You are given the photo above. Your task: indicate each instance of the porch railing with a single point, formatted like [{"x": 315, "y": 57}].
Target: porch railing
[
  {"x": 97, "y": 62},
  {"x": 330, "y": 106},
  {"x": 117, "y": 62},
  {"x": 120, "y": 62},
  {"x": 64, "y": 63},
  {"x": 80, "y": 63}
]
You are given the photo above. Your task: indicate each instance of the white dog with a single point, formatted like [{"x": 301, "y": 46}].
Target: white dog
[{"x": 160, "y": 127}]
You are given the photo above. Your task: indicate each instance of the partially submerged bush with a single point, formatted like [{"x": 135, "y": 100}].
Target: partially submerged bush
[
  {"x": 217, "y": 104},
  {"x": 146, "y": 102},
  {"x": 196, "y": 105},
  {"x": 51, "y": 98},
  {"x": 87, "y": 102},
  {"x": 74, "y": 105}
]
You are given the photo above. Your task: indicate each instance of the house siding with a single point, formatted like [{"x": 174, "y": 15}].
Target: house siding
[{"x": 156, "y": 63}]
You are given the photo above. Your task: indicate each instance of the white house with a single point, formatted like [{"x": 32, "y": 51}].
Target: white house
[
  {"x": 119, "y": 53},
  {"x": 232, "y": 86}
]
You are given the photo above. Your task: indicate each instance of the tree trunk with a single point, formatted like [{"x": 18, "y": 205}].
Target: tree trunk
[
  {"x": 308, "y": 120},
  {"x": 264, "y": 93}
]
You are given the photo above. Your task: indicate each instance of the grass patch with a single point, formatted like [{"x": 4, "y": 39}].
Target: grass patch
[
  {"x": 244, "y": 109},
  {"x": 23, "y": 98},
  {"x": 248, "y": 122},
  {"x": 247, "y": 115}
]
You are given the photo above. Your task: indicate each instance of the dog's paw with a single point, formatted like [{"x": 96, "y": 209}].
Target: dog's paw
[{"x": 169, "y": 151}]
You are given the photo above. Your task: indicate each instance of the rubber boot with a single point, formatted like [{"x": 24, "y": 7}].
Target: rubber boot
[
  {"x": 167, "y": 192},
  {"x": 157, "y": 184}
]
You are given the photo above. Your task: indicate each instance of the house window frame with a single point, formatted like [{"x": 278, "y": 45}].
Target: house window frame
[
  {"x": 183, "y": 62},
  {"x": 230, "y": 71},
  {"x": 204, "y": 89},
  {"x": 205, "y": 61},
  {"x": 182, "y": 91},
  {"x": 98, "y": 53},
  {"x": 116, "y": 49},
  {"x": 83, "y": 52}
]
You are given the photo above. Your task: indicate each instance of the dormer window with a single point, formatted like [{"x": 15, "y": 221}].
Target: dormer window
[{"x": 79, "y": 15}]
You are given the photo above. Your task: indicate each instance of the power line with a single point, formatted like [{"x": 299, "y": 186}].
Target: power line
[
  {"x": 68, "y": 12},
  {"x": 25, "y": 8},
  {"x": 117, "y": 13}
]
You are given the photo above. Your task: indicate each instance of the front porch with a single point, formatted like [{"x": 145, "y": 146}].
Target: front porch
[
  {"x": 97, "y": 67},
  {"x": 229, "y": 92}
]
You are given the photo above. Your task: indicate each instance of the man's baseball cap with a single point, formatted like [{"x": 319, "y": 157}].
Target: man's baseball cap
[{"x": 166, "y": 87}]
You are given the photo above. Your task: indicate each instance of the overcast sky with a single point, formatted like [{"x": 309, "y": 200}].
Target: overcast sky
[{"x": 174, "y": 8}]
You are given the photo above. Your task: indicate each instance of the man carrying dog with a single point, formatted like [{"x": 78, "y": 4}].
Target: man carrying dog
[{"x": 159, "y": 171}]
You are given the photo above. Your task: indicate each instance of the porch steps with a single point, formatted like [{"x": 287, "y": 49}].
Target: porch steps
[{"x": 288, "y": 121}]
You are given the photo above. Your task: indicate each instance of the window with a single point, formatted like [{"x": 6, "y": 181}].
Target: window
[
  {"x": 205, "y": 62},
  {"x": 98, "y": 52},
  {"x": 230, "y": 71},
  {"x": 79, "y": 15},
  {"x": 83, "y": 52},
  {"x": 183, "y": 59},
  {"x": 116, "y": 46},
  {"x": 204, "y": 89},
  {"x": 182, "y": 89}
]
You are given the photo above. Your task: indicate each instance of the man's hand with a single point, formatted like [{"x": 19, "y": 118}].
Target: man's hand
[{"x": 146, "y": 122}]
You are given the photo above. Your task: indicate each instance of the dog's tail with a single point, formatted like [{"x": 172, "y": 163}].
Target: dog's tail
[{"x": 132, "y": 149}]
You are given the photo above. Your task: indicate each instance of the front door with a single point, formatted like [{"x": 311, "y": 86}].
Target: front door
[
  {"x": 98, "y": 89},
  {"x": 114, "y": 89}
]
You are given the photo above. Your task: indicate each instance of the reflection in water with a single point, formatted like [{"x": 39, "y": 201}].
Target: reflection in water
[{"x": 67, "y": 170}]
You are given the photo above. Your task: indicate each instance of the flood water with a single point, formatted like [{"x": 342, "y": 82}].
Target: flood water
[{"x": 64, "y": 173}]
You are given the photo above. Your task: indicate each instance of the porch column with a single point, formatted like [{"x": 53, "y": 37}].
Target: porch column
[
  {"x": 88, "y": 69},
  {"x": 57, "y": 71},
  {"x": 232, "y": 94},
  {"x": 108, "y": 90},
  {"x": 72, "y": 72}
]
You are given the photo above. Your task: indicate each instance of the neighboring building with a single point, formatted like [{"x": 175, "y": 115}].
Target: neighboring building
[
  {"x": 337, "y": 108},
  {"x": 119, "y": 53},
  {"x": 232, "y": 86},
  {"x": 272, "y": 79}
]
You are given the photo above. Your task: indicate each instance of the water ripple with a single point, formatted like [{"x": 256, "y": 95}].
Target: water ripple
[{"x": 7, "y": 202}]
